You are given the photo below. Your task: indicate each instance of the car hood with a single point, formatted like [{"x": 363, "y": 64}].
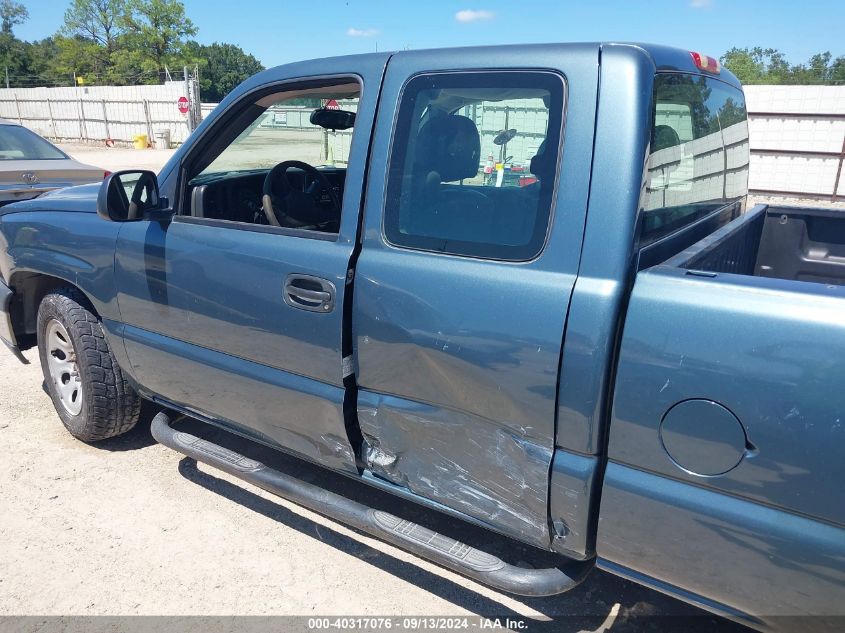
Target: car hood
[{"x": 80, "y": 198}]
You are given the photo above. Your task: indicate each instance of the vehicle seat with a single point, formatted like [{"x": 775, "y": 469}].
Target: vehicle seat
[
  {"x": 543, "y": 165},
  {"x": 448, "y": 150},
  {"x": 664, "y": 136},
  {"x": 516, "y": 207}
]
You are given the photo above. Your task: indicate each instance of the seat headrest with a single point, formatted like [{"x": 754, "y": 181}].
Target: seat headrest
[
  {"x": 543, "y": 164},
  {"x": 451, "y": 146},
  {"x": 664, "y": 136}
]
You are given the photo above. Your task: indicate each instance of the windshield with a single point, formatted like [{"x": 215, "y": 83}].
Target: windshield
[{"x": 18, "y": 143}]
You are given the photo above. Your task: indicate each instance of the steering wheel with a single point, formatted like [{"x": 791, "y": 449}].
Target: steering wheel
[
  {"x": 288, "y": 206},
  {"x": 145, "y": 185}
]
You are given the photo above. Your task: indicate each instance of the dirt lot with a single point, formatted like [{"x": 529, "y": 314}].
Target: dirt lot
[
  {"x": 117, "y": 158},
  {"x": 128, "y": 527},
  {"x": 262, "y": 149}
]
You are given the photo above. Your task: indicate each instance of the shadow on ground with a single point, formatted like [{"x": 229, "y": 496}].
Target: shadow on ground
[{"x": 138, "y": 437}]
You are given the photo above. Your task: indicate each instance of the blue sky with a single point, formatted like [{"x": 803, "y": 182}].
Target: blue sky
[{"x": 286, "y": 30}]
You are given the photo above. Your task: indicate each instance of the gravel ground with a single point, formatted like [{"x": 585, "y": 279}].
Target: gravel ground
[
  {"x": 128, "y": 527},
  {"x": 118, "y": 158}
]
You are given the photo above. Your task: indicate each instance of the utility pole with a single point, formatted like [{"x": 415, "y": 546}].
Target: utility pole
[
  {"x": 191, "y": 122},
  {"x": 7, "y": 77},
  {"x": 325, "y": 153}
]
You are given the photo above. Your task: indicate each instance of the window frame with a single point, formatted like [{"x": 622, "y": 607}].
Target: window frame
[
  {"x": 183, "y": 212},
  {"x": 561, "y": 89}
]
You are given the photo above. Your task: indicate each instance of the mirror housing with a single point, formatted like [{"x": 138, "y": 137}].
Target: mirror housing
[
  {"x": 127, "y": 196},
  {"x": 331, "y": 119}
]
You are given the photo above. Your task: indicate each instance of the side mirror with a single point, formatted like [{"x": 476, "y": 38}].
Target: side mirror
[{"x": 126, "y": 196}]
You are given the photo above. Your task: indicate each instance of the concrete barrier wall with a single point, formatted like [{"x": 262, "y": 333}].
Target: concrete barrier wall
[
  {"x": 98, "y": 113},
  {"x": 797, "y": 142}
]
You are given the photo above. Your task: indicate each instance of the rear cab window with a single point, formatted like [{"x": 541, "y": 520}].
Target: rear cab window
[
  {"x": 474, "y": 162},
  {"x": 698, "y": 160},
  {"x": 18, "y": 143}
]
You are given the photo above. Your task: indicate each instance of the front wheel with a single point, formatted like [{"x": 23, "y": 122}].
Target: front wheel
[{"x": 87, "y": 386}]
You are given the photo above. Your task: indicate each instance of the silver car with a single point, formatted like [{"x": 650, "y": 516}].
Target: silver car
[{"x": 31, "y": 165}]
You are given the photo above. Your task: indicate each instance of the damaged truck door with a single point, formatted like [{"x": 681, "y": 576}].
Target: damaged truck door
[
  {"x": 463, "y": 284},
  {"x": 234, "y": 309}
]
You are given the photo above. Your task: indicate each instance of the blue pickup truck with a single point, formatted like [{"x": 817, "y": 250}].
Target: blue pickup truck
[{"x": 516, "y": 285}]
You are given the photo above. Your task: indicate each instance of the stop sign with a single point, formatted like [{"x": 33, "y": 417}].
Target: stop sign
[{"x": 182, "y": 104}]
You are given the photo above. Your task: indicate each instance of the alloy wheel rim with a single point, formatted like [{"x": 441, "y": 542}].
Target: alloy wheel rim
[{"x": 64, "y": 371}]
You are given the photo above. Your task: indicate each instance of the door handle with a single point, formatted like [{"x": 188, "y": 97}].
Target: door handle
[{"x": 310, "y": 293}]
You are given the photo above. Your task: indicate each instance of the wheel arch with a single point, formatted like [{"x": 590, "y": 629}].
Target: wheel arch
[{"x": 30, "y": 288}]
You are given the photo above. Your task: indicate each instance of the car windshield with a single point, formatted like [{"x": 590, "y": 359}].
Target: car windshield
[{"x": 18, "y": 143}]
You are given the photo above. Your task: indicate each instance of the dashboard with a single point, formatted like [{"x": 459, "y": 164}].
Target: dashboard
[{"x": 236, "y": 196}]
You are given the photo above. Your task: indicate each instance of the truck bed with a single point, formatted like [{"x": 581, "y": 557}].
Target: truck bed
[
  {"x": 736, "y": 329},
  {"x": 792, "y": 243}
]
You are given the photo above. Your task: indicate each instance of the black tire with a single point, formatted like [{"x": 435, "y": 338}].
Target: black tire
[{"x": 110, "y": 406}]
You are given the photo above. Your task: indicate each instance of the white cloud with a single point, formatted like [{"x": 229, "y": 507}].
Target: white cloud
[
  {"x": 470, "y": 15},
  {"x": 353, "y": 32},
  {"x": 701, "y": 4}
]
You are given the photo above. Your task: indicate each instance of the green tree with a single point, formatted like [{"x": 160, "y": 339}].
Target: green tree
[
  {"x": 92, "y": 34},
  {"x": 222, "y": 67},
  {"x": 122, "y": 41},
  {"x": 156, "y": 34},
  {"x": 837, "y": 70},
  {"x": 777, "y": 68},
  {"x": 769, "y": 66},
  {"x": 12, "y": 50},
  {"x": 11, "y": 14},
  {"x": 745, "y": 63},
  {"x": 101, "y": 21},
  {"x": 41, "y": 63},
  {"x": 757, "y": 65},
  {"x": 819, "y": 67},
  {"x": 82, "y": 58}
]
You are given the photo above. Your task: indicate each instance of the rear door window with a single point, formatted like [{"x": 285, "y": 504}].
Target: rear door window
[
  {"x": 474, "y": 163},
  {"x": 698, "y": 160}
]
